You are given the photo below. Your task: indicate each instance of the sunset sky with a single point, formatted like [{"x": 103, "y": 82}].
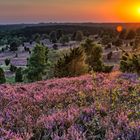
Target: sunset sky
[{"x": 32, "y": 11}]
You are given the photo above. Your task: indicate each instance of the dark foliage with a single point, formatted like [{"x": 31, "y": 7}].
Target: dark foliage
[
  {"x": 72, "y": 64},
  {"x": 2, "y": 76},
  {"x": 7, "y": 61},
  {"x": 19, "y": 75}
]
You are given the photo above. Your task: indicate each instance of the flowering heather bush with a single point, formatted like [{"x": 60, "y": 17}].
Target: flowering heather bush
[{"x": 98, "y": 106}]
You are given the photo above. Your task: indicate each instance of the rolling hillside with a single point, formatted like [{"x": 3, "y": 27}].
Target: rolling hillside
[{"x": 98, "y": 106}]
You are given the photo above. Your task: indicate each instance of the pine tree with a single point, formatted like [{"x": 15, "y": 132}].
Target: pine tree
[
  {"x": 53, "y": 37},
  {"x": 2, "y": 76},
  {"x": 93, "y": 55},
  {"x": 36, "y": 64},
  {"x": 130, "y": 62},
  {"x": 72, "y": 64}
]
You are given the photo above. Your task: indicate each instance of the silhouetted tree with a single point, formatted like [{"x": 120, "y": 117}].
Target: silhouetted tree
[
  {"x": 59, "y": 34},
  {"x": 7, "y": 61},
  {"x": 13, "y": 46},
  {"x": 64, "y": 39},
  {"x": 37, "y": 38},
  {"x": 131, "y": 35},
  {"x": 53, "y": 37}
]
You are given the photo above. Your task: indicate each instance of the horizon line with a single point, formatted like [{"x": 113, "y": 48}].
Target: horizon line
[{"x": 86, "y": 22}]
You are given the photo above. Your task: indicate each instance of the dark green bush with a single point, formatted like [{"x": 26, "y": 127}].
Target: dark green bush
[
  {"x": 13, "y": 68},
  {"x": 109, "y": 55},
  {"x": 13, "y": 46},
  {"x": 7, "y": 61},
  {"x": 107, "y": 69},
  {"x": 2, "y": 76},
  {"x": 130, "y": 62},
  {"x": 18, "y": 75}
]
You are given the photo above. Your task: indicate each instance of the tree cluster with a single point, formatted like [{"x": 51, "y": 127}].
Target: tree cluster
[{"x": 130, "y": 62}]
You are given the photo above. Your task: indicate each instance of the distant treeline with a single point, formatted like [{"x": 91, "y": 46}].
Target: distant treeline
[
  {"x": 26, "y": 31},
  {"x": 87, "y": 29}
]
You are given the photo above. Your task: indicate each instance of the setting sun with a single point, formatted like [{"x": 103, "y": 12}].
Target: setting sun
[{"x": 139, "y": 10}]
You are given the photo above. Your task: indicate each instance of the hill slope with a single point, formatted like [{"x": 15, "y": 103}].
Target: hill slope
[{"x": 98, "y": 106}]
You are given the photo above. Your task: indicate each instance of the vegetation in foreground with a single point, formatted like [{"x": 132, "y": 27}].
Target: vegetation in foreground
[{"x": 98, "y": 106}]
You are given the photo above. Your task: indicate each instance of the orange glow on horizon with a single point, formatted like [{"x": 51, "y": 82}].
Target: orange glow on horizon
[{"x": 70, "y": 11}]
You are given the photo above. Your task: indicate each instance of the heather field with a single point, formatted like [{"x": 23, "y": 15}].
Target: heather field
[
  {"x": 91, "y": 107},
  {"x": 70, "y": 70}
]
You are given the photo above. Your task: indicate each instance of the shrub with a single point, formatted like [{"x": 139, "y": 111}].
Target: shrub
[
  {"x": 130, "y": 35},
  {"x": 53, "y": 37},
  {"x": 13, "y": 68},
  {"x": 106, "y": 39},
  {"x": 2, "y": 76},
  {"x": 16, "y": 55},
  {"x": 130, "y": 62},
  {"x": 59, "y": 34},
  {"x": 108, "y": 46},
  {"x": 64, "y": 39},
  {"x": 18, "y": 75},
  {"x": 109, "y": 55},
  {"x": 55, "y": 47},
  {"x": 107, "y": 69},
  {"x": 2, "y": 49},
  {"x": 46, "y": 53},
  {"x": 79, "y": 36},
  {"x": 118, "y": 42},
  {"x": 13, "y": 46},
  {"x": 7, "y": 61},
  {"x": 36, "y": 37}
]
